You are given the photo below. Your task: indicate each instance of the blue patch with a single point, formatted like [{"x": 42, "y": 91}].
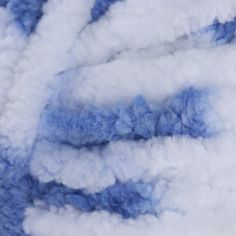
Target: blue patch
[
  {"x": 3, "y": 3},
  {"x": 129, "y": 199},
  {"x": 182, "y": 114},
  {"x": 13, "y": 199},
  {"x": 223, "y": 32},
  {"x": 27, "y": 13},
  {"x": 100, "y": 8},
  {"x": 18, "y": 190}
]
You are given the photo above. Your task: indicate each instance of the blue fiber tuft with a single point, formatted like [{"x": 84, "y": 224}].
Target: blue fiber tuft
[
  {"x": 13, "y": 199},
  {"x": 27, "y": 13},
  {"x": 223, "y": 32},
  {"x": 18, "y": 190},
  {"x": 3, "y": 3},
  {"x": 100, "y": 8},
  {"x": 184, "y": 114},
  {"x": 127, "y": 199},
  {"x": 181, "y": 114}
]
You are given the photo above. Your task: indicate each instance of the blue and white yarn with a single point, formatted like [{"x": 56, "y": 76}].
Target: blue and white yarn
[
  {"x": 93, "y": 158},
  {"x": 100, "y": 7},
  {"x": 26, "y": 13},
  {"x": 182, "y": 114}
]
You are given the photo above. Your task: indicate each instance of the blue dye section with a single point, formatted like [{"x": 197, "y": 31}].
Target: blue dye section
[
  {"x": 127, "y": 199},
  {"x": 182, "y": 114},
  {"x": 27, "y": 13},
  {"x": 18, "y": 190},
  {"x": 223, "y": 32},
  {"x": 100, "y": 8},
  {"x": 13, "y": 199},
  {"x": 3, "y": 3}
]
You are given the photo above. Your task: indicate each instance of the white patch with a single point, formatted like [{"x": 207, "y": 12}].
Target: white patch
[
  {"x": 132, "y": 25},
  {"x": 164, "y": 158},
  {"x": 200, "y": 222},
  {"x": 46, "y": 56},
  {"x": 154, "y": 78},
  {"x": 11, "y": 47}
]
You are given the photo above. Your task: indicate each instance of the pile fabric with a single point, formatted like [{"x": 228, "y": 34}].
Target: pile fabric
[{"x": 117, "y": 117}]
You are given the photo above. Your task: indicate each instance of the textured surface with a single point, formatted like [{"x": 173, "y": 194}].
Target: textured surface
[
  {"x": 100, "y": 8},
  {"x": 117, "y": 117},
  {"x": 19, "y": 190},
  {"x": 26, "y": 13},
  {"x": 182, "y": 114}
]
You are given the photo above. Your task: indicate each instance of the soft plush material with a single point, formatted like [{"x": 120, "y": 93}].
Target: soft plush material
[{"x": 117, "y": 117}]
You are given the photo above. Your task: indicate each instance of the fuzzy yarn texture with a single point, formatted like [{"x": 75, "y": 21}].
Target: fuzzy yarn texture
[{"x": 117, "y": 117}]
